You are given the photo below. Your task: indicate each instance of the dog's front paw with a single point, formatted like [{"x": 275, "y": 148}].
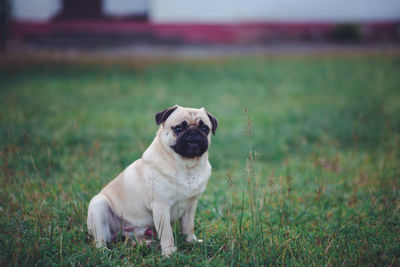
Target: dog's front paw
[
  {"x": 193, "y": 238},
  {"x": 168, "y": 251}
]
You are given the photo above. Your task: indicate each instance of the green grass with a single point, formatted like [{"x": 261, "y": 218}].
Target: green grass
[{"x": 305, "y": 159}]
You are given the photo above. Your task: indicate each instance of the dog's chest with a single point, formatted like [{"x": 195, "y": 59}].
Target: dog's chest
[
  {"x": 189, "y": 187},
  {"x": 191, "y": 182},
  {"x": 184, "y": 187}
]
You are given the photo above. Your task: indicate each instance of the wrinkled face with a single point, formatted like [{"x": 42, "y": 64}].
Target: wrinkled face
[
  {"x": 191, "y": 139},
  {"x": 187, "y": 131}
]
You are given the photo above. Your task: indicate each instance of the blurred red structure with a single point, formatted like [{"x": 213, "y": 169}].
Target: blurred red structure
[{"x": 241, "y": 33}]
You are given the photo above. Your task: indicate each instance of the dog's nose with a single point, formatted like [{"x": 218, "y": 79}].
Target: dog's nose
[{"x": 193, "y": 133}]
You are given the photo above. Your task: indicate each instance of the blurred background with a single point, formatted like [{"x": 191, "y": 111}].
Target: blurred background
[{"x": 252, "y": 25}]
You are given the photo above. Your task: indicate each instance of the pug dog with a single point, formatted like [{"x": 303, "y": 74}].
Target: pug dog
[{"x": 161, "y": 187}]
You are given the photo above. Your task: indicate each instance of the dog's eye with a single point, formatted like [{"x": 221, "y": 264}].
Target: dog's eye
[
  {"x": 178, "y": 129},
  {"x": 205, "y": 128}
]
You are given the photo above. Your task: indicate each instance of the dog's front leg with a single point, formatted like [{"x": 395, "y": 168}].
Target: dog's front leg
[
  {"x": 187, "y": 222},
  {"x": 162, "y": 223}
]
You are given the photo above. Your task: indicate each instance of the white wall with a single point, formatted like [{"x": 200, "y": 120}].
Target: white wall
[
  {"x": 125, "y": 7},
  {"x": 220, "y": 11},
  {"x": 35, "y": 10}
]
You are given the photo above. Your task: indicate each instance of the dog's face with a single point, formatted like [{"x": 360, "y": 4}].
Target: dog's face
[{"x": 186, "y": 131}]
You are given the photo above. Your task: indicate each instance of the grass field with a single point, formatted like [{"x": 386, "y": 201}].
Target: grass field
[{"x": 305, "y": 159}]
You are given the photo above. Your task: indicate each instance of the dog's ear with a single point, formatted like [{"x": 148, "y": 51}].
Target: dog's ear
[
  {"x": 214, "y": 122},
  {"x": 163, "y": 115}
]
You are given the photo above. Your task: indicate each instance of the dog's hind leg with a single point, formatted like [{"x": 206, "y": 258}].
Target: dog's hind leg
[{"x": 99, "y": 221}]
